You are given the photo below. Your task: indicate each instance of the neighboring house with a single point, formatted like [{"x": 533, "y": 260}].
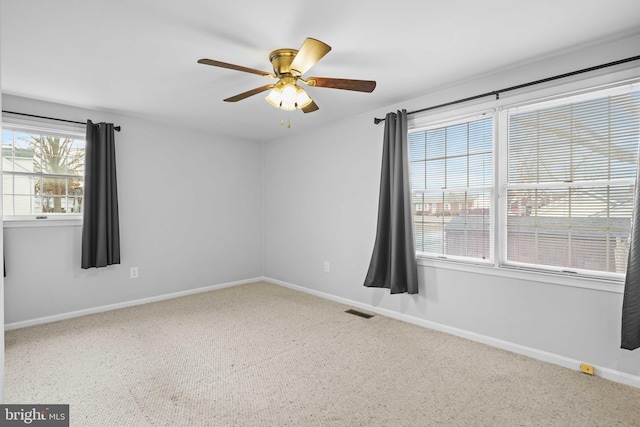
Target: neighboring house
[
  {"x": 18, "y": 190},
  {"x": 36, "y": 184},
  {"x": 553, "y": 234},
  {"x": 453, "y": 205}
]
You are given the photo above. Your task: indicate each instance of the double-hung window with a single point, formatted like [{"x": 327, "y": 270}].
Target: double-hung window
[
  {"x": 43, "y": 173},
  {"x": 569, "y": 178},
  {"x": 542, "y": 185},
  {"x": 452, "y": 185}
]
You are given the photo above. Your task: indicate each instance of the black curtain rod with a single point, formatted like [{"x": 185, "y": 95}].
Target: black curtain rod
[
  {"x": 117, "y": 128},
  {"x": 497, "y": 93}
]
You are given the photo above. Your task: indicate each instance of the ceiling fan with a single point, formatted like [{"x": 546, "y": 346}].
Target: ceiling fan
[{"x": 288, "y": 67}]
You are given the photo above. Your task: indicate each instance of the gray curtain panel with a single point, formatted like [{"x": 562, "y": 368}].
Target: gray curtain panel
[
  {"x": 631, "y": 302},
  {"x": 393, "y": 263},
  {"x": 100, "y": 227}
]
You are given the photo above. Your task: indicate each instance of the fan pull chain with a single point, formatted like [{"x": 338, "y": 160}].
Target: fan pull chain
[
  {"x": 282, "y": 118},
  {"x": 281, "y": 114}
]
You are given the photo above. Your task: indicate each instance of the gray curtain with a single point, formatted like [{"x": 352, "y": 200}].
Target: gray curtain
[
  {"x": 393, "y": 263},
  {"x": 100, "y": 227},
  {"x": 631, "y": 301}
]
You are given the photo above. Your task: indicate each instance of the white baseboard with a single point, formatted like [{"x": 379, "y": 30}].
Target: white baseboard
[
  {"x": 109, "y": 307},
  {"x": 610, "y": 374}
]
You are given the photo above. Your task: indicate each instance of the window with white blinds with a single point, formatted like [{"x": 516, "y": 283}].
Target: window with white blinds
[
  {"x": 569, "y": 182},
  {"x": 566, "y": 173},
  {"x": 451, "y": 170}
]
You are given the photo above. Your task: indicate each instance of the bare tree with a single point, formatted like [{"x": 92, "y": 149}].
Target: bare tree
[{"x": 61, "y": 164}]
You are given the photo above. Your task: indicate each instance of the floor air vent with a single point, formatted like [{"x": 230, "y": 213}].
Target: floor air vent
[{"x": 359, "y": 314}]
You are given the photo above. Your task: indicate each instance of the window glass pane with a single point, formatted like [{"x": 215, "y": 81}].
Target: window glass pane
[
  {"x": 480, "y": 170},
  {"x": 26, "y": 205},
  {"x": 7, "y": 138},
  {"x": 7, "y": 204},
  {"x": 429, "y": 222},
  {"x": 436, "y": 174},
  {"x": 25, "y": 185},
  {"x": 53, "y": 164},
  {"x": 74, "y": 205},
  {"x": 7, "y": 183},
  {"x": 25, "y": 140},
  {"x": 75, "y": 158},
  {"x": 457, "y": 172},
  {"x": 457, "y": 140},
  {"x": 75, "y": 187},
  {"x": 450, "y": 217},
  {"x": 7, "y": 150},
  {"x": 418, "y": 175},
  {"x": 7, "y": 158},
  {"x": 417, "y": 146},
  {"x": 436, "y": 143},
  {"x": 54, "y": 186},
  {"x": 51, "y": 204},
  {"x": 455, "y": 224},
  {"x": 468, "y": 228},
  {"x": 481, "y": 136},
  {"x": 25, "y": 149}
]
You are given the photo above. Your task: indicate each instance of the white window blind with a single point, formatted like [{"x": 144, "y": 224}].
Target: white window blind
[
  {"x": 571, "y": 169},
  {"x": 451, "y": 182}
]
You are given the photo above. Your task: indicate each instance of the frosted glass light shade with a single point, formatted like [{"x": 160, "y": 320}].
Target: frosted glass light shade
[{"x": 288, "y": 97}]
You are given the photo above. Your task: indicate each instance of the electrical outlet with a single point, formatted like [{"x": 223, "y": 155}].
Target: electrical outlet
[
  {"x": 586, "y": 368},
  {"x": 133, "y": 273},
  {"x": 327, "y": 267}
]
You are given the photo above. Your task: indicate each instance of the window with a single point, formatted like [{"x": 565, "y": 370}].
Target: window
[
  {"x": 571, "y": 168},
  {"x": 43, "y": 173},
  {"x": 451, "y": 182},
  {"x": 542, "y": 185}
]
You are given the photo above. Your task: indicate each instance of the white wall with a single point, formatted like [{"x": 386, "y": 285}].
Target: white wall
[
  {"x": 190, "y": 216},
  {"x": 321, "y": 195}
]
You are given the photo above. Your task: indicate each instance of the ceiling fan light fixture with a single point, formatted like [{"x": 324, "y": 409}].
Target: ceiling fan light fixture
[
  {"x": 275, "y": 96},
  {"x": 302, "y": 98},
  {"x": 289, "y": 66},
  {"x": 288, "y": 96}
]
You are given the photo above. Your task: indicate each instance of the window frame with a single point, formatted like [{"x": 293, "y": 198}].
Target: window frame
[
  {"x": 534, "y": 105},
  {"x": 43, "y": 127},
  {"x": 545, "y": 92},
  {"x": 458, "y": 119}
]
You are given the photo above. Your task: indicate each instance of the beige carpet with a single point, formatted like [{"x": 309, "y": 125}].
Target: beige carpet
[{"x": 263, "y": 355}]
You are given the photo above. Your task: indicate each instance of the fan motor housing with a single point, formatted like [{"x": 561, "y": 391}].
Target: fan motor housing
[{"x": 281, "y": 60}]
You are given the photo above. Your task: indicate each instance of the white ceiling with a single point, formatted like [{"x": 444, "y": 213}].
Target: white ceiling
[{"x": 138, "y": 57}]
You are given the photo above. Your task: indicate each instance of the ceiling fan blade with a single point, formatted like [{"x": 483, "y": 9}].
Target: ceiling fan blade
[
  {"x": 346, "y": 84},
  {"x": 310, "y": 108},
  {"x": 234, "y": 67},
  {"x": 248, "y": 93},
  {"x": 312, "y": 51}
]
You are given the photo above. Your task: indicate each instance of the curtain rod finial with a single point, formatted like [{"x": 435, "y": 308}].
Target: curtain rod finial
[{"x": 377, "y": 120}]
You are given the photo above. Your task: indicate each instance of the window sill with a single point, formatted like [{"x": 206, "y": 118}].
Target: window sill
[
  {"x": 49, "y": 222},
  {"x": 601, "y": 284}
]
